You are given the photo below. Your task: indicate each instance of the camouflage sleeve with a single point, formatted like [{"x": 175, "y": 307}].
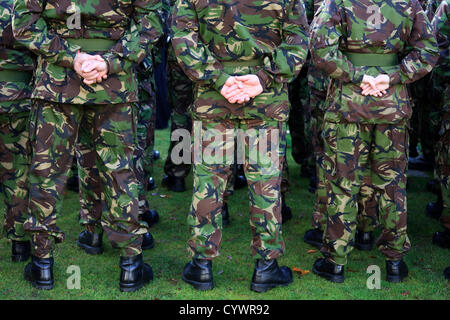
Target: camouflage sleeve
[
  {"x": 326, "y": 34},
  {"x": 144, "y": 31},
  {"x": 30, "y": 29},
  {"x": 192, "y": 54},
  {"x": 288, "y": 58},
  {"x": 424, "y": 54}
]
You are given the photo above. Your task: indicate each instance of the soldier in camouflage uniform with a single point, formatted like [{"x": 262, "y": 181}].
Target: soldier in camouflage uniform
[
  {"x": 180, "y": 89},
  {"x": 16, "y": 71},
  {"x": 441, "y": 77},
  {"x": 120, "y": 36},
  {"x": 425, "y": 118},
  {"x": 318, "y": 83},
  {"x": 434, "y": 87},
  {"x": 354, "y": 42},
  {"x": 91, "y": 186},
  {"x": 209, "y": 47}
]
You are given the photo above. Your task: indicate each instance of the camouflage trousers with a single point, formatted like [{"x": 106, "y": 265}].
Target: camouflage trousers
[
  {"x": 442, "y": 172},
  {"x": 181, "y": 93},
  {"x": 143, "y": 154},
  {"x": 14, "y": 165},
  {"x": 367, "y": 204},
  {"x": 263, "y": 174},
  {"x": 54, "y": 132},
  {"x": 91, "y": 186},
  {"x": 353, "y": 152}
]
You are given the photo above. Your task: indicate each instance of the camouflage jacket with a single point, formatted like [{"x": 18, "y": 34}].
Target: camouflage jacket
[
  {"x": 132, "y": 25},
  {"x": 210, "y": 32},
  {"x": 13, "y": 57},
  {"x": 343, "y": 27}
]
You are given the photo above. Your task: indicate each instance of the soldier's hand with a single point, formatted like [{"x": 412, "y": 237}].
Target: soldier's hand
[
  {"x": 375, "y": 86},
  {"x": 248, "y": 87},
  {"x": 233, "y": 91},
  {"x": 94, "y": 70}
]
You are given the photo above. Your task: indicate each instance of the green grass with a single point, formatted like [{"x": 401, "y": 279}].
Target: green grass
[{"x": 233, "y": 269}]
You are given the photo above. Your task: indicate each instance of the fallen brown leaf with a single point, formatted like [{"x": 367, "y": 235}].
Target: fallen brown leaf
[
  {"x": 311, "y": 251},
  {"x": 301, "y": 272}
]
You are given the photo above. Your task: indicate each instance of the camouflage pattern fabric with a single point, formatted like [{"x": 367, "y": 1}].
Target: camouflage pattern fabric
[
  {"x": 351, "y": 150},
  {"x": 441, "y": 26},
  {"x": 203, "y": 61},
  {"x": 180, "y": 89},
  {"x": 366, "y": 136},
  {"x": 345, "y": 103},
  {"x": 63, "y": 104},
  {"x": 54, "y": 131},
  {"x": 91, "y": 186},
  {"x": 207, "y": 39},
  {"x": 146, "y": 117},
  {"x": 210, "y": 181},
  {"x": 56, "y": 80},
  {"x": 14, "y": 120},
  {"x": 14, "y": 163}
]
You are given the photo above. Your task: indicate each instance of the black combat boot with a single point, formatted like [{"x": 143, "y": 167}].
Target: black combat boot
[
  {"x": 442, "y": 238},
  {"x": 434, "y": 209},
  {"x": 134, "y": 273},
  {"x": 90, "y": 242},
  {"x": 147, "y": 241},
  {"x": 268, "y": 275},
  {"x": 151, "y": 184},
  {"x": 314, "y": 237},
  {"x": 447, "y": 273},
  {"x": 21, "y": 251},
  {"x": 225, "y": 215},
  {"x": 151, "y": 217},
  {"x": 286, "y": 213},
  {"x": 396, "y": 271},
  {"x": 198, "y": 273},
  {"x": 175, "y": 184},
  {"x": 329, "y": 270},
  {"x": 40, "y": 273},
  {"x": 363, "y": 240},
  {"x": 156, "y": 155}
]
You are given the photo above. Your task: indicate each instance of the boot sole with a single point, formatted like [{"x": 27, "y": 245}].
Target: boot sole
[
  {"x": 395, "y": 279},
  {"x": 135, "y": 287},
  {"x": 89, "y": 249},
  {"x": 40, "y": 285},
  {"x": 260, "y": 287},
  {"x": 148, "y": 247},
  {"x": 332, "y": 278},
  {"x": 202, "y": 286}
]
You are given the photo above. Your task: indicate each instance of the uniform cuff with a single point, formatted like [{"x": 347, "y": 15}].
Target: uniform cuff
[
  {"x": 264, "y": 78},
  {"x": 220, "y": 81},
  {"x": 114, "y": 63}
]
